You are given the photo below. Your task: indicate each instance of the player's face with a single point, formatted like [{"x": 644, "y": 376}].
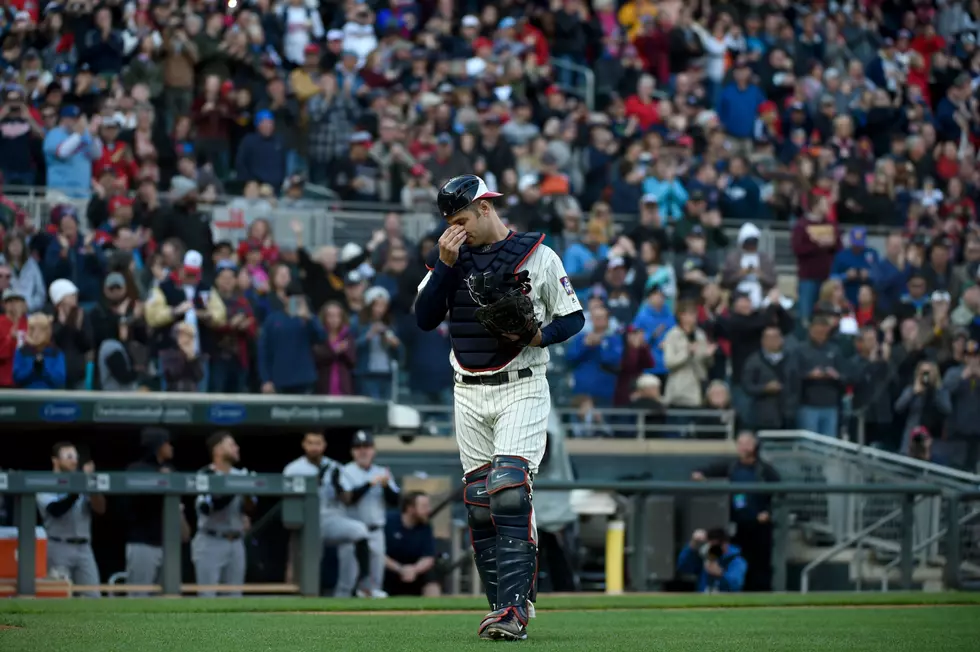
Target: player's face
[
  {"x": 67, "y": 460},
  {"x": 230, "y": 450},
  {"x": 363, "y": 455},
  {"x": 469, "y": 219},
  {"x": 314, "y": 445}
]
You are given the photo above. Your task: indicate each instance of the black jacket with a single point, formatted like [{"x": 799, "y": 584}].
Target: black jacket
[
  {"x": 192, "y": 227},
  {"x": 745, "y": 333},
  {"x": 144, "y": 513},
  {"x": 770, "y": 411}
]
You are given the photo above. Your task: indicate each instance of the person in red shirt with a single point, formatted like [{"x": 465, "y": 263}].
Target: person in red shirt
[
  {"x": 643, "y": 106},
  {"x": 532, "y": 37},
  {"x": 13, "y": 327},
  {"x": 928, "y": 43},
  {"x": 653, "y": 45}
]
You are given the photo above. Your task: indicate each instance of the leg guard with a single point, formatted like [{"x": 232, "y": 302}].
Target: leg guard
[
  {"x": 483, "y": 535},
  {"x": 509, "y": 486}
]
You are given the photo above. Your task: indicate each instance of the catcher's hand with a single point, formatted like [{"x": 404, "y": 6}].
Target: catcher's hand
[{"x": 511, "y": 318}]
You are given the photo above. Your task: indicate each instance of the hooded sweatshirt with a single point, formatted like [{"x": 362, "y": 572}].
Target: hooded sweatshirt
[{"x": 761, "y": 279}]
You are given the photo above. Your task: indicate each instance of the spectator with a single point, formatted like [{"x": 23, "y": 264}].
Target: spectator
[
  {"x": 815, "y": 242},
  {"x": 262, "y": 154},
  {"x": 184, "y": 221},
  {"x": 769, "y": 380},
  {"x": 637, "y": 359},
  {"x": 587, "y": 421},
  {"x": 185, "y": 297},
  {"x": 379, "y": 349},
  {"x": 119, "y": 338},
  {"x": 103, "y": 47},
  {"x": 595, "y": 358},
  {"x": 26, "y": 275},
  {"x": 582, "y": 258},
  {"x": 72, "y": 334},
  {"x": 738, "y": 103},
  {"x": 716, "y": 563},
  {"x": 655, "y": 320},
  {"x": 410, "y": 549},
  {"x": 821, "y": 370},
  {"x": 751, "y": 514},
  {"x": 694, "y": 269},
  {"x": 958, "y": 398},
  {"x": 648, "y": 398},
  {"x": 182, "y": 366},
  {"x": 69, "y": 150},
  {"x": 13, "y": 332},
  {"x": 687, "y": 355},
  {"x": 748, "y": 270},
  {"x": 285, "y": 352},
  {"x": 229, "y": 366},
  {"x": 332, "y": 117},
  {"x": 18, "y": 131},
  {"x": 75, "y": 258},
  {"x": 430, "y": 378},
  {"x": 38, "y": 364},
  {"x": 336, "y": 355}
]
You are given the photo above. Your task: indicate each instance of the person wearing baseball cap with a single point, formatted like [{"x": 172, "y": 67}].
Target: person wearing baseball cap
[
  {"x": 69, "y": 150},
  {"x": 262, "y": 153},
  {"x": 13, "y": 326},
  {"x": 854, "y": 264},
  {"x": 185, "y": 297},
  {"x": 695, "y": 269}
]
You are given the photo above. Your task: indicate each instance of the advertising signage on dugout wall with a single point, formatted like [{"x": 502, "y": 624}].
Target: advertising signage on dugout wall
[{"x": 37, "y": 407}]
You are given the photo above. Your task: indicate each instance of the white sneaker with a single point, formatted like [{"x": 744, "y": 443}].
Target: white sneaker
[{"x": 378, "y": 593}]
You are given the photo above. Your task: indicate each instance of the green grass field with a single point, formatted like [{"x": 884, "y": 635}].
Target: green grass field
[{"x": 916, "y": 622}]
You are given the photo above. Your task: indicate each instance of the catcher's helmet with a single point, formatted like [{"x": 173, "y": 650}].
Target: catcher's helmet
[{"x": 459, "y": 192}]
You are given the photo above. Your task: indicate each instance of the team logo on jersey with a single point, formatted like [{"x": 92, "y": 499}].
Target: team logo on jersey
[{"x": 565, "y": 283}]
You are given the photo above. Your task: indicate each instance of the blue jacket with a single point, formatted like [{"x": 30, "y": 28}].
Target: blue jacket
[
  {"x": 428, "y": 356},
  {"x": 738, "y": 109},
  {"x": 363, "y": 343},
  {"x": 286, "y": 350},
  {"x": 889, "y": 283},
  {"x": 85, "y": 270},
  {"x": 579, "y": 259},
  {"x": 671, "y": 196},
  {"x": 103, "y": 55},
  {"x": 595, "y": 367},
  {"x": 262, "y": 159},
  {"x": 866, "y": 258},
  {"x": 741, "y": 199},
  {"x": 732, "y": 564},
  {"x": 51, "y": 374},
  {"x": 71, "y": 171},
  {"x": 655, "y": 324}
]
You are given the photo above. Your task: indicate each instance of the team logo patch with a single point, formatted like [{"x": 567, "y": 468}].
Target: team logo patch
[{"x": 565, "y": 283}]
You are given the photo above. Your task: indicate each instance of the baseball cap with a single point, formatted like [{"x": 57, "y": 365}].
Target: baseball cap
[
  {"x": 311, "y": 48},
  {"x": 940, "y": 295},
  {"x": 360, "y": 137},
  {"x": 527, "y": 181},
  {"x": 649, "y": 198},
  {"x": 193, "y": 261},
  {"x": 114, "y": 280},
  {"x": 264, "y": 114},
  {"x": 506, "y": 23},
  {"x": 482, "y": 42},
  {"x": 70, "y": 111},
  {"x": 616, "y": 261},
  {"x": 444, "y": 138},
  {"x": 470, "y": 21},
  {"x": 362, "y": 438},
  {"x": 335, "y": 35},
  {"x": 858, "y": 236},
  {"x": 697, "y": 231},
  {"x": 11, "y": 293}
]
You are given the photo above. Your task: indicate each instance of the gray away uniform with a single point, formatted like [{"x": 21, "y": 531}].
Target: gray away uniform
[
  {"x": 336, "y": 527},
  {"x": 68, "y": 523},
  {"x": 369, "y": 506},
  {"x": 218, "y": 547}
]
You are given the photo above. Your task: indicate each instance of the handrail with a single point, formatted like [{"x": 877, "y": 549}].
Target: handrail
[
  {"x": 842, "y": 545},
  {"x": 874, "y": 453},
  {"x": 928, "y": 541},
  {"x": 586, "y": 72}
]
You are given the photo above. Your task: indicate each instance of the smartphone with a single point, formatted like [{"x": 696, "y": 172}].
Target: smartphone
[{"x": 293, "y": 305}]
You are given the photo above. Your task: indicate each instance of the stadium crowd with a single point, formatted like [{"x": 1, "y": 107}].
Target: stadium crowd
[{"x": 828, "y": 117}]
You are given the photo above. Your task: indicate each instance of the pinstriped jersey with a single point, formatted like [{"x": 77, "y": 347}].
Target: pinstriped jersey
[{"x": 552, "y": 296}]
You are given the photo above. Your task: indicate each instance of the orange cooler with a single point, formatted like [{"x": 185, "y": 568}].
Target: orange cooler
[{"x": 8, "y": 553}]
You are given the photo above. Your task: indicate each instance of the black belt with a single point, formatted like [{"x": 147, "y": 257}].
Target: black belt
[
  {"x": 228, "y": 536},
  {"x": 375, "y": 528},
  {"x": 502, "y": 378},
  {"x": 75, "y": 541}
]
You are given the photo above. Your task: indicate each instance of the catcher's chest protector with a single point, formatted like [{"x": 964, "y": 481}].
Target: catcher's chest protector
[{"x": 475, "y": 348}]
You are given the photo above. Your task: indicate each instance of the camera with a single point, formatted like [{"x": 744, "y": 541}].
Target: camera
[
  {"x": 711, "y": 551},
  {"x": 926, "y": 377}
]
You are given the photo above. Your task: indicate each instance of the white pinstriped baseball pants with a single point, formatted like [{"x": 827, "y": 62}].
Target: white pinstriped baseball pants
[{"x": 508, "y": 419}]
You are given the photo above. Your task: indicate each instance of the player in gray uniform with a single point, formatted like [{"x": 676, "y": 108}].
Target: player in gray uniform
[
  {"x": 336, "y": 528},
  {"x": 218, "y": 547},
  {"x": 368, "y": 490},
  {"x": 68, "y": 523}
]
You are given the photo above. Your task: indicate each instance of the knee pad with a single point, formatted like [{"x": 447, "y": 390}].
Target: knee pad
[
  {"x": 477, "y": 500},
  {"x": 509, "y": 486}
]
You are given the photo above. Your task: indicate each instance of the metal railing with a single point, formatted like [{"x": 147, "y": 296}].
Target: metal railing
[
  {"x": 585, "y": 90},
  {"x": 872, "y": 524},
  {"x": 621, "y": 423}
]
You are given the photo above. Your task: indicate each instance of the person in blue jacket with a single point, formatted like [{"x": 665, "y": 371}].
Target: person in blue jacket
[
  {"x": 285, "y": 360},
  {"x": 38, "y": 364},
  {"x": 79, "y": 259},
  {"x": 739, "y": 103},
  {"x": 262, "y": 154},
  {"x": 891, "y": 274},
  {"x": 655, "y": 318},
  {"x": 716, "y": 562},
  {"x": 853, "y": 266},
  {"x": 69, "y": 150},
  {"x": 595, "y": 358}
]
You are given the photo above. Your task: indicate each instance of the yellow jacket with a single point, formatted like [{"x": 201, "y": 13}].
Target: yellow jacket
[
  {"x": 631, "y": 14},
  {"x": 160, "y": 315}
]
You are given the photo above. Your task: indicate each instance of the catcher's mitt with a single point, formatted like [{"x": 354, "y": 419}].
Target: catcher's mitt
[{"x": 504, "y": 307}]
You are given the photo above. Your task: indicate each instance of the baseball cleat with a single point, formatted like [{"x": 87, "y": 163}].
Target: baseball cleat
[
  {"x": 504, "y": 625},
  {"x": 371, "y": 593}
]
